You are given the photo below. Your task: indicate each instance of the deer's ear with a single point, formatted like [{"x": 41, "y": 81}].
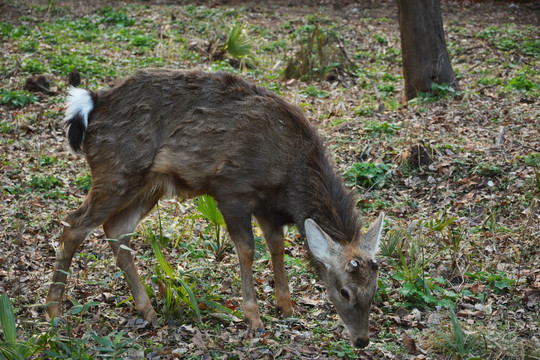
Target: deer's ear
[
  {"x": 370, "y": 241},
  {"x": 320, "y": 244}
]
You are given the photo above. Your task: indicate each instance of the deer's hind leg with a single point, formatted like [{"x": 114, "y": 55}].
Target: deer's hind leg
[
  {"x": 106, "y": 202},
  {"x": 97, "y": 206},
  {"x": 118, "y": 229}
]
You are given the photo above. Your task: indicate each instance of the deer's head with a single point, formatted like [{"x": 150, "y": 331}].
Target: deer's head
[{"x": 350, "y": 274}]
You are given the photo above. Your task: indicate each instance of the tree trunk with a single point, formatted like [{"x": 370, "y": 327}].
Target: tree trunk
[{"x": 425, "y": 58}]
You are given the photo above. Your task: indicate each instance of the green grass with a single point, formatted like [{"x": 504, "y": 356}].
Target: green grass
[
  {"x": 314, "y": 91},
  {"x": 17, "y": 98},
  {"x": 377, "y": 128},
  {"x": 84, "y": 182},
  {"x": 368, "y": 174}
]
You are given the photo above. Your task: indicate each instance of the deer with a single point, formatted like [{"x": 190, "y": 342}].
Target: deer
[{"x": 161, "y": 133}]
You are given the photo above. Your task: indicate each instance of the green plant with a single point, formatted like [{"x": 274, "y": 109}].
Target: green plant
[
  {"x": 456, "y": 238},
  {"x": 390, "y": 77},
  {"x": 381, "y": 39},
  {"x": 89, "y": 346},
  {"x": 81, "y": 309},
  {"x": 368, "y": 174},
  {"x": 381, "y": 127},
  {"x": 532, "y": 159},
  {"x": 43, "y": 183},
  {"x": 5, "y": 127},
  {"x": 47, "y": 160},
  {"x": 180, "y": 286},
  {"x": 143, "y": 41},
  {"x": 531, "y": 48},
  {"x": 238, "y": 44},
  {"x": 91, "y": 65},
  {"x": 438, "y": 92},
  {"x": 6, "y": 29},
  {"x": 319, "y": 53},
  {"x": 412, "y": 268},
  {"x": 337, "y": 121},
  {"x": 498, "y": 281},
  {"x": 459, "y": 343},
  {"x": 17, "y": 98},
  {"x": 393, "y": 105},
  {"x": 29, "y": 46},
  {"x": 62, "y": 347},
  {"x": 113, "y": 345},
  {"x": 426, "y": 291},
  {"x": 489, "y": 81},
  {"x": 390, "y": 242},
  {"x": 10, "y": 347},
  {"x": 276, "y": 44},
  {"x": 365, "y": 110},
  {"x": 521, "y": 83},
  {"x": 177, "y": 289},
  {"x": 208, "y": 210},
  {"x": 411, "y": 265},
  {"x": 505, "y": 43},
  {"x": 487, "y": 169},
  {"x": 115, "y": 17},
  {"x": 342, "y": 350},
  {"x": 386, "y": 90},
  {"x": 84, "y": 182},
  {"x": 489, "y": 32},
  {"x": 438, "y": 223},
  {"x": 314, "y": 91},
  {"x": 69, "y": 348}
]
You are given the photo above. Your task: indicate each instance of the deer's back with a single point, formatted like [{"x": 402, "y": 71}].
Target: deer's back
[{"x": 212, "y": 133}]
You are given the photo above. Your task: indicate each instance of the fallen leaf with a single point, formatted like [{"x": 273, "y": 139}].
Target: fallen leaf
[
  {"x": 308, "y": 301},
  {"x": 198, "y": 341},
  {"x": 433, "y": 319},
  {"x": 477, "y": 288},
  {"x": 162, "y": 288},
  {"x": 410, "y": 345}
]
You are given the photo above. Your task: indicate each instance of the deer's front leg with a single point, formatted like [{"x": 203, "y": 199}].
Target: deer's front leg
[
  {"x": 276, "y": 243},
  {"x": 239, "y": 228},
  {"x": 251, "y": 308}
]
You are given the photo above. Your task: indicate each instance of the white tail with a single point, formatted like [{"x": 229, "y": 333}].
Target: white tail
[{"x": 79, "y": 105}]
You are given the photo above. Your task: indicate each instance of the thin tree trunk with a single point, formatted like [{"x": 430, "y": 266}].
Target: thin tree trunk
[{"x": 423, "y": 47}]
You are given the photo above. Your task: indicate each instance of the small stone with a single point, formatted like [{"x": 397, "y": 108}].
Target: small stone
[
  {"x": 433, "y": 319},
  {"x": 135, "y": 354}
]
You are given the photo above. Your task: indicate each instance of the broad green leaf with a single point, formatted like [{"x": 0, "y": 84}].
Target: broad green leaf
[
  {"x": 207, "y": 206},
  {"x": 238, "y": 44},
  {"x": 160, "y": 258},
  {"x": 194, "y": 303},
  {"x": 7, "y": 319}
]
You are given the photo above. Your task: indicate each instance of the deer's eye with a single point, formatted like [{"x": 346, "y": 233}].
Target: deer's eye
[{"x": 345, "y": 294}]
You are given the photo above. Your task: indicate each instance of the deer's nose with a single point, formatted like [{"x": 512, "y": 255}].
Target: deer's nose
[{"x": 361, "y": 343}]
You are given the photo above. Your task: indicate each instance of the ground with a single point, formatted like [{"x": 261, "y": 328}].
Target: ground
[{"x": 456, "y": 172}]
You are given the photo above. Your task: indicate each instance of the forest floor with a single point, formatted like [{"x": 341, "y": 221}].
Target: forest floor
[{"x": 462, "y": 234}]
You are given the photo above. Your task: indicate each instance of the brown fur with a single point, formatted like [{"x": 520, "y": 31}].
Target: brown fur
[
  {"x": 163, "y": 132},
  {"x": 219, "y": 143}
]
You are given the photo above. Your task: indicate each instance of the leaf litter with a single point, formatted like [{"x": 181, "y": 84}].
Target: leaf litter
[{"x": 484, "y": 161}]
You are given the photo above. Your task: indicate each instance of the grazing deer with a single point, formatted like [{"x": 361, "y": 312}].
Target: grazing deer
[{"x": 163, "y": 132}]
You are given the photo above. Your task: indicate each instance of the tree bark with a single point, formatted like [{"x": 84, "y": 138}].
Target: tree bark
[{"x": 423, "y": 47}]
